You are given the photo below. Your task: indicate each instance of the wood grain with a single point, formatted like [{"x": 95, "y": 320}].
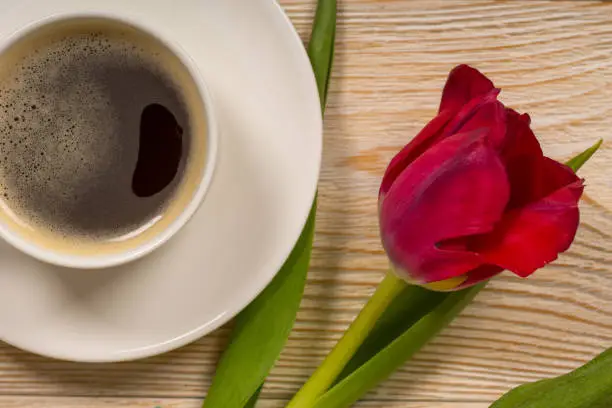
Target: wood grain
[{"x": 552, "y": 59}]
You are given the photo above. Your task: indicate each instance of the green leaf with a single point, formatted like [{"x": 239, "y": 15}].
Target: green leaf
[
  {"x": 262, "y": 328},
  {"x": 322, "y": 45},
  {"x": 589, "y": 386},
  {"x": 384, "y": 363},
  {"x": 576, "y": 162},
  {"x": 253, "y": 400}
]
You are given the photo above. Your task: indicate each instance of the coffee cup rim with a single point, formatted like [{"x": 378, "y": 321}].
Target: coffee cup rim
[{"x": 205, "y": 178}]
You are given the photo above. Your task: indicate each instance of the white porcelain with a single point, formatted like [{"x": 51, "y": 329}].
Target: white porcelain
[
  {"x": 268, "y": 163},
  {"x": 104, "y": 260}
]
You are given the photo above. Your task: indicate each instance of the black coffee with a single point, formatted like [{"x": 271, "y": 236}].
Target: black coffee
[{"x": 92, "y": 130}]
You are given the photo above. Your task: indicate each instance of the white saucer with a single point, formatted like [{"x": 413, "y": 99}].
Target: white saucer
[{"x": 269, "y": 158}]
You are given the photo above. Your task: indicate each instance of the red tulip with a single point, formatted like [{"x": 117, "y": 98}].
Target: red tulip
[{"x": 472, "y": 194}]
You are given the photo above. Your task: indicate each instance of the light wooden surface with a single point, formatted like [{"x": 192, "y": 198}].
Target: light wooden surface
[{"x": 553, "y": 60}]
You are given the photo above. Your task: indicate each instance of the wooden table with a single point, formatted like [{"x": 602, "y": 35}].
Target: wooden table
[{"x": 552, "y": 59}]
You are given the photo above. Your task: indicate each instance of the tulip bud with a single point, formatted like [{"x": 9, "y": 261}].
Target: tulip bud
[{"x": 472, "y": 194}]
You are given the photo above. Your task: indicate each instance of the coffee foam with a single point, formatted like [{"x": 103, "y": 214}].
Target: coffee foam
[{"x": 63, "y": 147}]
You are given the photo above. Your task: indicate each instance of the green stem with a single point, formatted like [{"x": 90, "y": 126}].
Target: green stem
[{"x": 341, "y": 354}]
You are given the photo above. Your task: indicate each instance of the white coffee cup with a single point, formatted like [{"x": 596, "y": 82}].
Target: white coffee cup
[{"x": 198, "y": 173}]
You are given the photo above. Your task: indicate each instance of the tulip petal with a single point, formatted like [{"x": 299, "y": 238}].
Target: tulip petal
[
  {"x": 532, "y": 175},
  {"x": 430, "y": 134},
  {"x": 480, "y": 274},
  {"x": 520, "y": 140},
  {"x": 522, "y": 156},
  {"x": 531, "y": 237},
  {"x": 481, "y": 113},
  {"x": 556, "y": 176},
  {"x": 457, "y": 188},
  {"x": 464, "y": 83}
]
